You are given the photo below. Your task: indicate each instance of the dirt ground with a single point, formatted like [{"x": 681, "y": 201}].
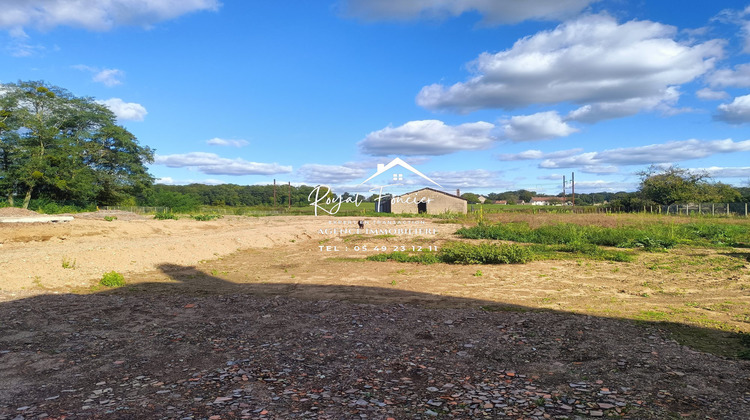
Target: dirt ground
[{"x": 281, "y": 317}]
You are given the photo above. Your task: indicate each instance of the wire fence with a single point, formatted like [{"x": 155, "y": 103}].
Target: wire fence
[
  {"x": 714, "y": 209},
  {"x": 697, "y": 209}
]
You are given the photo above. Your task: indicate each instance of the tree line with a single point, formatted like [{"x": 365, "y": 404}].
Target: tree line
[{"x": 66, "y": 148}]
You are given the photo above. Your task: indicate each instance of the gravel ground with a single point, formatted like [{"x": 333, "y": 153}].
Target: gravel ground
[{"x": 131, "y": 356}]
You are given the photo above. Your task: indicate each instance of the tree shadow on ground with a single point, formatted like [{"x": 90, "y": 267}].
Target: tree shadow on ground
[{"x": 150, "y": 349}]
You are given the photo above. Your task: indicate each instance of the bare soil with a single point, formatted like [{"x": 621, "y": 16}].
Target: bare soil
[{"x": 270, "y": 318}]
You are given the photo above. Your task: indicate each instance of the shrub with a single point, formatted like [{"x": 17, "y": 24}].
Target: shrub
[
  {"x": 484, "y": 253},
  {"x": 205, "y": 217},
  {"x": 165, "y": 216},
  {"x": 112, "y": 279}
]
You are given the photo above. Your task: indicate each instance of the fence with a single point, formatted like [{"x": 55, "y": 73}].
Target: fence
[
  {"x": 714, "y": 209},
  {"x": 700, "y": 209}
]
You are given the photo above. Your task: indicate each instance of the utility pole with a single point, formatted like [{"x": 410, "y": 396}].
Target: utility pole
[
  {"x": 563, "y": 201},
  {"x": 573, "y": 186}
]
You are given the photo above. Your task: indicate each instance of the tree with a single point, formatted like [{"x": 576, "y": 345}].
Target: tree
[
  {"x": 63, "y": 147},
  {"x": 470, "y": 197},
  {"x": 676, "y": 185}
]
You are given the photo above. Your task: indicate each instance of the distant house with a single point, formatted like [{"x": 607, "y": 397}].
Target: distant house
[
  {"x": 546, "y": 201},
  {"x": 425, "y": 200},
  {"x": 482, "y": 199},
  {"x": 501, "y": 201}
]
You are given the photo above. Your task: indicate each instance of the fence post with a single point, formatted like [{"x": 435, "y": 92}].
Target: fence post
[
  {"x": 745, "y": 209},
  {"x": 713, "y": 213},
  {"x": 727, "y": 209}
]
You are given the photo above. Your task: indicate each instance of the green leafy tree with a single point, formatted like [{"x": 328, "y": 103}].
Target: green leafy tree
[
  {"x": 470, "y": 197},
  {"x": 66, "y": 148},
  {"x": 676, "y": 185}
]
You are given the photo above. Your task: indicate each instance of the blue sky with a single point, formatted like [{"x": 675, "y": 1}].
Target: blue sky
[{"x": 478, "y": 95}]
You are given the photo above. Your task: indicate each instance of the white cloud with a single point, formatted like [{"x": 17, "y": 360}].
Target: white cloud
[
  {"x": 592, "y": 113},
  {"x": 98, "y": 15},
  {"x": 493, "y": 11},
  {"x": 109, "y": 77},
  {"x": 225, "y": 142},
  {"x": 126, "y": 111},
  {"x": 620, "y": 68},
  {"x": 739, "y": 18},
  {"x": 538, "y": 154},
  {"x": 539, "y": 126},
  {"x": 739, "y": 76},
  {"x": 428, "y": 137},
  {"x": 737, "y": 112},
  {"x": 652, "y": 154},
  {"x": 167, "y": 180},
  {"x": 711, "y": 95},
  {"x": 331, "y": 174},
  {"x": 725, "y": 172},
  {"x": 604, "y": 186},
  {"x": 213, "y": 164},
  {"x": 476, "y": 178}
]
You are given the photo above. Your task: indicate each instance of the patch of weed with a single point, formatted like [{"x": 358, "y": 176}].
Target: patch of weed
[
  {"x": 112, "y": 279},
  {"x": 165, "y": 216}
]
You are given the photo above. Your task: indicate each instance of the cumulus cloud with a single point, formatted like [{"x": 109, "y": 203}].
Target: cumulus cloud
[
  {"x": 98, "y": 15},
  {"x": 539, "y": 126},
  {"x": 125, "y": 111},
  {"x": 615, "y": 68},
  {"x": 739, "y": 76},
  {"x": 675, "y": 151},
  {"x": 493, "y": 11},
  {"x": 428, "y": 137},
  {"x": 225, "y": 142},
  {"x": 331, "y": 174},
  {"x": 737, "y": 112},
  {"x": 213, "y": 164},
  {"x": 538, "y": 154},
  {"x": 711, "y": 95}
]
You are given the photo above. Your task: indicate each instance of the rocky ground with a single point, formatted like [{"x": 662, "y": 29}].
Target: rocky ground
[{"x": 236, "y": 356}]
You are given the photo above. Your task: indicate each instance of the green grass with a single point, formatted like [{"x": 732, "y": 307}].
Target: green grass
[
  {"x": 112, "y": 279},
  {"x": 651, "y": 237},
  {"x": 463, "y": 253}
]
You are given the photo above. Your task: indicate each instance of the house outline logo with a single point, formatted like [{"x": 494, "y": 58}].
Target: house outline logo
[{"x": 398, "y": 162}]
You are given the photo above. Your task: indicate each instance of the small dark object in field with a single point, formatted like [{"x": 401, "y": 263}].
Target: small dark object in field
[{"x": 361, "y": 224}]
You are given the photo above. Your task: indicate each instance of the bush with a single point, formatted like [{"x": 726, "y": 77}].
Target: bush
[
  {"x": 205, "y": 217},
  {"x": 165, "y": 216},
  {"x": 112, "y": 279},
  {"x": 484, "y": 253}
]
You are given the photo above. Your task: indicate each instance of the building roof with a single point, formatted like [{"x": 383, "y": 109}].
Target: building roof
[{"x": 437, "y": 191}]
